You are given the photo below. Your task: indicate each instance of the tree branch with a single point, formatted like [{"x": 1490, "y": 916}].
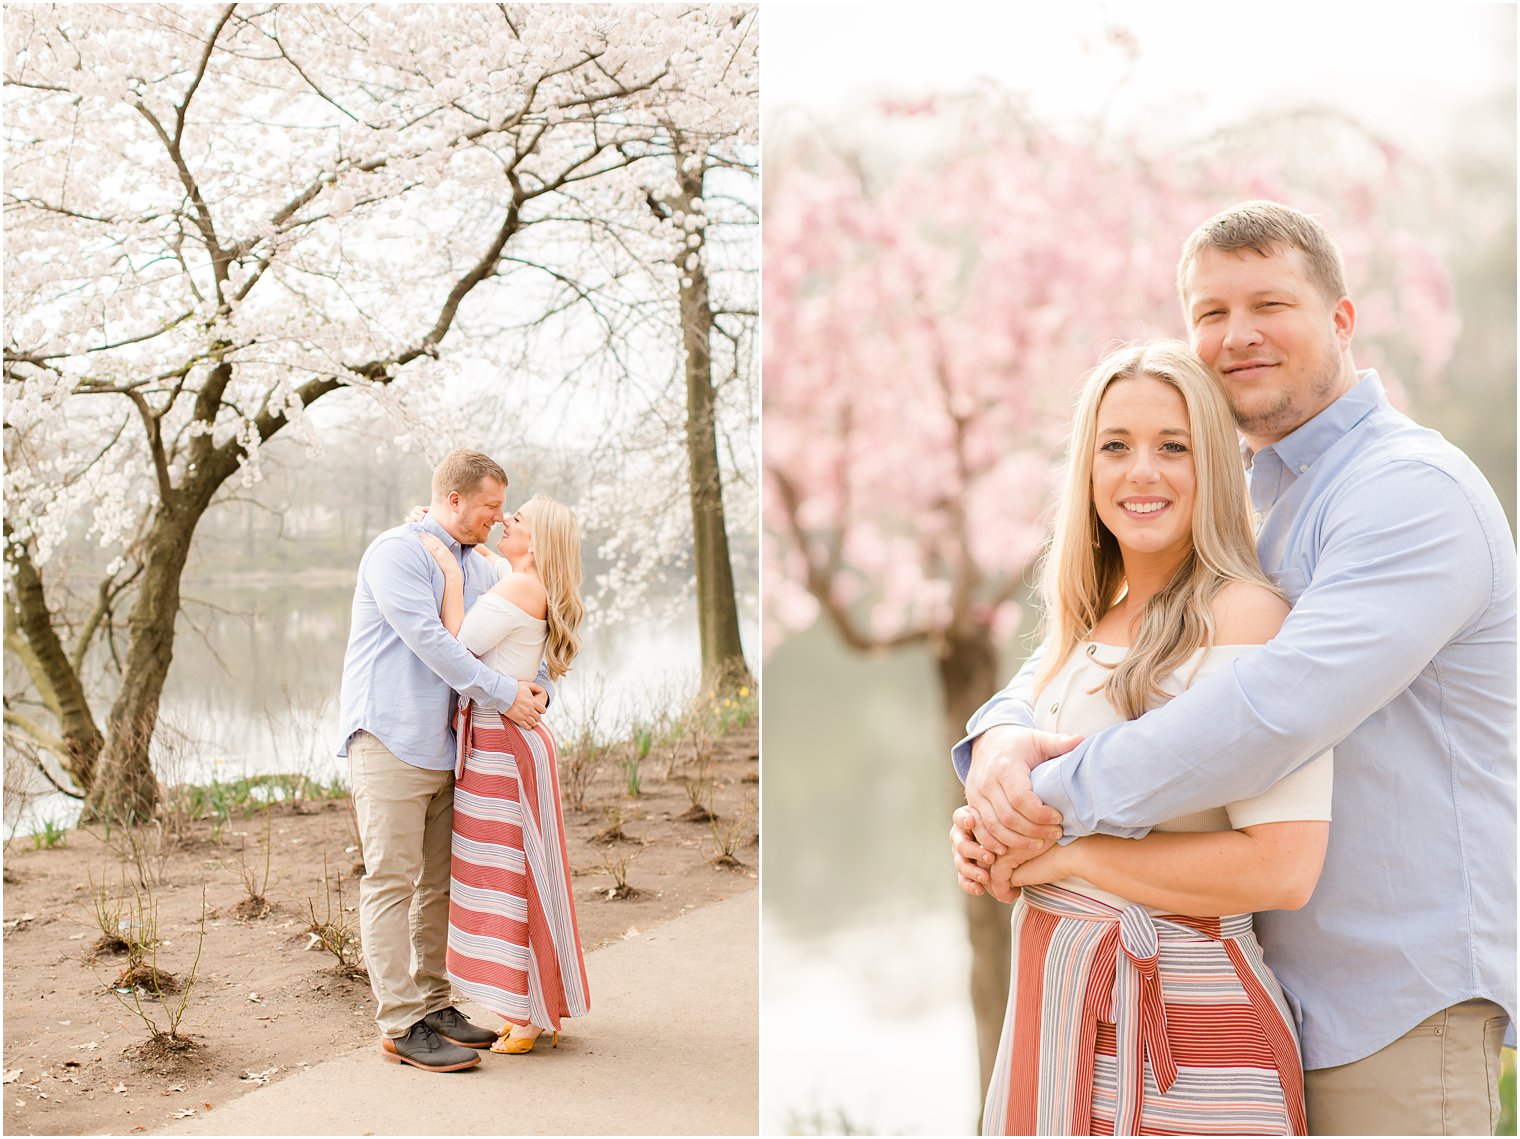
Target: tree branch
[
  {"x": 44, "y": 740},
  {"x": 200, "y": 73},
  {"x": 819, "y": 583},
  {"x": 110, "y": 590},
  {"x": 155, "y": 445}
]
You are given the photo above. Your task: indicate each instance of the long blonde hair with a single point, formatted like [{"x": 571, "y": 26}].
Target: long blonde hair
[
  {"x": 556, "y": 541},
  {"x": 1083, "y": 572}
]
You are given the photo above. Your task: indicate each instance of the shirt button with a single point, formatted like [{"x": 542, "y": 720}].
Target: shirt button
[
  {"x": 1054, "y": 708},
  {"x": 1092, "y": 650},
  {"x": 1302, "y": 467}
]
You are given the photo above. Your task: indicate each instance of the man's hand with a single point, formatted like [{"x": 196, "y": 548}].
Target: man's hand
[
  {"x": 1010, "y": 820},
  {"x": 529, "y": 706}
]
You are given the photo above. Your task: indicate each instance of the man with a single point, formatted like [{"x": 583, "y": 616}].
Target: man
[
  {"x": 400, "y": 675},
  {"x": 1399, "y": 652}
]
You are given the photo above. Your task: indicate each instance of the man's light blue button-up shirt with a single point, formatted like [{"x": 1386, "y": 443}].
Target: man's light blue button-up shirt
[
  {"x": 402, "y": 668},
  {"x": 1400, "y": 654}
]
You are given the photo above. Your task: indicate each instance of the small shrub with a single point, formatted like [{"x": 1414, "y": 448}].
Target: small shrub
[
  {"x": 50, "y": 836},
  {"x": 699, "y": 789},
  {"x": 335, "y": 931},
  {"x": 620, "y": 890},
  {"x": 117, "y": 932},
  {"x": 143, "y": 846},
  {"x": 729, "y": 835},
  {"x": 581, "y": 750},
  {"x": 255, "y": 876},
  {"x": 146, "y": 977},
  {"x": 616, "y": 815}
]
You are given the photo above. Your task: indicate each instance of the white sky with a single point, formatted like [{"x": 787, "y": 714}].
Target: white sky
[{"x": 1401, "y": 68}]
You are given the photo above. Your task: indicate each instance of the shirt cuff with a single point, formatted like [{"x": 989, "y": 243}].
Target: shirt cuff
[{"x": 960, "y": 754}]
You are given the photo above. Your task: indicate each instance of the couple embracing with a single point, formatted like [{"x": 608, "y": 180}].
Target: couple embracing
[
  {"x": 451, "y": 659},
  {"x": 1227, "y": 654}
]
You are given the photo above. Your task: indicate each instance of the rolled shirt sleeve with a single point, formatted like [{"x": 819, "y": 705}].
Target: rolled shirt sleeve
[{"x": 1014, "y": 706}]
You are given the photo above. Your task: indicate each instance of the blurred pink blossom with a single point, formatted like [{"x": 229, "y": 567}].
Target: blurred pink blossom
[{"x": 924, "y": 331}]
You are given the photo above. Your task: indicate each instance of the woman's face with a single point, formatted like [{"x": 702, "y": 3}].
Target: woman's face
[
  {"x": 1143, "y": 480},
  {"x": 517, "y": 535}
]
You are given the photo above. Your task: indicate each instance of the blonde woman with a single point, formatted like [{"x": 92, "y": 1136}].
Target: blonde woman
[
  {"x": 513, "y": 945},
  {"x": 1139, "y": 1001}
]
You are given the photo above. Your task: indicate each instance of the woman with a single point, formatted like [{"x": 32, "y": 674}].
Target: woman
[
  {"x": 1139, "y": 1002},
  {"x": 513, "y": 944}
]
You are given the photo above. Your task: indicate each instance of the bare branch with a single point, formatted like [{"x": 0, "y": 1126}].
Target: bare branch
[
  {"x": 200, "y": 73},
  {"x": 36, "y": 733},
  {"x": 820, "y": 583},
  {"x": 307, "y": 79},
  {"x": 110, "y": 590},
  {"x": 49, "y": 207},
  {"x": 151, "y": 421}
]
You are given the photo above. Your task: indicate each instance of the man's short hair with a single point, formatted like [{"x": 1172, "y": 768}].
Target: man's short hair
[
  {"x": 1266, "y": 227},
  {"x": 463, "y": 471}
]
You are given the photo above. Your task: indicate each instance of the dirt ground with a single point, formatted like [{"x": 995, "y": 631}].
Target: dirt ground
[{"x": 266, "y": 1001}]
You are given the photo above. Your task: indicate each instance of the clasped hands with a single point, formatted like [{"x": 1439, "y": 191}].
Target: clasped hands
[
  {"x": 1005, "y": 837},
  {"x": 528, "y": 708}
]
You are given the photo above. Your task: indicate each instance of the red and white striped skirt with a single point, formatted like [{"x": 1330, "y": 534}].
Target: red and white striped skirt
[
  {"x": 513, "y": 944},
  {"x": 1123, "y": 1023}
]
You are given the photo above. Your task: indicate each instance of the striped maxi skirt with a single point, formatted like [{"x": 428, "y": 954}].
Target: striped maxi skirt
[
  {"x": 513, "y": 944},
  {"x": 1124, "y": 1023}
]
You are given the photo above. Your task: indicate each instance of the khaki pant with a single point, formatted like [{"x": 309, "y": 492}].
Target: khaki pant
[
  {"x": 406, "y": 822},
  {"x": 1439, "y": 1078}
]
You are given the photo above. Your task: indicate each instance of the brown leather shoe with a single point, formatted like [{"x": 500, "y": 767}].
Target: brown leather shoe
[
  {"x": 451, "y": 1024},
  {"x": 423, "y": 1048}
]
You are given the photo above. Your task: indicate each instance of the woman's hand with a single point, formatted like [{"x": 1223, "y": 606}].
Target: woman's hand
[
  {"x": 418, "y": 514},
  {"x": 451, "y": 609},
  {"x": 442, "y": 555},
  {"x": 971, "y": 857},
  {"x": 1008, "y": 873}
]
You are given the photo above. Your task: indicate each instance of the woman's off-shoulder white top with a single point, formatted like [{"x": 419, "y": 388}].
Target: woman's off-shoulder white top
[
  {"x": 504, "y": 637},
  {"x": 1073, "y": 703}
]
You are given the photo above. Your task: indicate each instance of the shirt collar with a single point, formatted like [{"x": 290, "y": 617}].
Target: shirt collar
[
  {"x": 452, "y": 542},
  {"x": 1302, "y": 447}
]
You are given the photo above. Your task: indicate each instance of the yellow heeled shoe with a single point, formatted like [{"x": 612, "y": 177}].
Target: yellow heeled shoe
[{"x": 508, "y": 1045}]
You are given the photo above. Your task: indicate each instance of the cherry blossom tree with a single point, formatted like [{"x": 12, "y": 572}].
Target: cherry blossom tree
[
  {"x": 704, "y": 315},
  {"x": 697, "y": 283},
  {"x": 215, "y": 217},
  {"x": 930, "y": 301}
]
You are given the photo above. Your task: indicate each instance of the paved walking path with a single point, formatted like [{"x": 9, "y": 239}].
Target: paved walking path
[{"x": 669, "y": 1049}]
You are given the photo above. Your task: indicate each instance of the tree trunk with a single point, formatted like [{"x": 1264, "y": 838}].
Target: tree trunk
[
  {"x": 968, "y": 674},
  {"x": 51, "y": 669},
  {"x": 125, "y": 789},
  {"x": 717, "y": 610}
]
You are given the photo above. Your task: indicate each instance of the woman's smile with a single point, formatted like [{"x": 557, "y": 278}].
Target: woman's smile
[
  {"x": 1143, "y": 478},
  {"x": 1144, "y": 507}
]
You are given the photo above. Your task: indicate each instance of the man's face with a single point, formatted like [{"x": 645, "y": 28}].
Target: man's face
[
  {"x": 475, "y": 513},
  {"x": 1275, "y": 342}
]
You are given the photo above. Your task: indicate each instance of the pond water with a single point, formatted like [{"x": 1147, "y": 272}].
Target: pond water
[
  {"x": 868, "y": 1023},
  {"x": 868, "y": 1030},
  {"x": 254, "y": 685}
]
